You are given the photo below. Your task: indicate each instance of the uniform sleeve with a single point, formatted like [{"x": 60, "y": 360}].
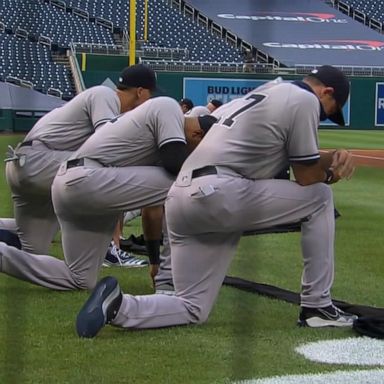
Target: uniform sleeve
[
  {"x": 167, "y": 121},
  {"x": 103, "y": 105},
  {"x": 302, "y": 143}
]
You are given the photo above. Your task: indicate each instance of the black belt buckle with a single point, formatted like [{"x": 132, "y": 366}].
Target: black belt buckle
[
  {"x": 75, "y": 163},
  {"x": 208, "y": 170},
  {"x": 26, "y": 144}
]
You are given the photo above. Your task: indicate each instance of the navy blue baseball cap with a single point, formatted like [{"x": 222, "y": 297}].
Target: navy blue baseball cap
[
  {"x": 187, "y": 102},
  {"x": 216, "y": 103},
  {"x": 333, "y": 77},
  {"x": 138, "y": 75},
  {"x": 206, "y": 122}
]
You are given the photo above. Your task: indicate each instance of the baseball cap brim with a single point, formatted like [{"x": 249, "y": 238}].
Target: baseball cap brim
[
  {"x": 155, "y": 89},
  {"x": 338, "y": 118},
  {"x": 333, "y": 77},
  {"x": 158, "y": 91}
]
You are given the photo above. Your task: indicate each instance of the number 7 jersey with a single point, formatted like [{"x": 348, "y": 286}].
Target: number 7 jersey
[{"x": 259, "y": 134}]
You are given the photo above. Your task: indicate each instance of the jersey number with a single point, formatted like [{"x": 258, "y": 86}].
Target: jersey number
[{"x": 255, "y": 100}]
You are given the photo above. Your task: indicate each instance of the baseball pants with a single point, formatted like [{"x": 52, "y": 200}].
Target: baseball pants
[
  {"x": 88, "y": 200},
  {"x": 30, "y": 177},
  {"x": 164, "y": 276},
  {"x": 206, "y": 217}
]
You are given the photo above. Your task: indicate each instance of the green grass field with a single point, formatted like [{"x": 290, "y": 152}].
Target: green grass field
[
  {"x": 247, "y": 336},
  {"x": 351, "y": 139}
]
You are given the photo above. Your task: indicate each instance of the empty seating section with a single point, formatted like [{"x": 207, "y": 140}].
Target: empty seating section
[
  {"x": 116, "y": 11},
  {"x": 41, "y": 18},
  {"x": 169, "y": 28},
  {"x": 372, "y": 8},
  {"x": 31, "y": 61},
  {"x": 174, "y": 36}
]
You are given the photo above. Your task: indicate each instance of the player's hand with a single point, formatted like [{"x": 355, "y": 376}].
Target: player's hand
[
  {"x": 153, "y": 270},
  {"x": 343, "y": 165}
]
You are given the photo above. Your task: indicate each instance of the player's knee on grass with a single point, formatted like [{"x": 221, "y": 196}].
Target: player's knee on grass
[
  {"x": 199, "y": 314},
  {"x": 84, "y": 282}
]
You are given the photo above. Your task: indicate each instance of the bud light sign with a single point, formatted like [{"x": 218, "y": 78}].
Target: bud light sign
[{"x": 202, "y": 90}]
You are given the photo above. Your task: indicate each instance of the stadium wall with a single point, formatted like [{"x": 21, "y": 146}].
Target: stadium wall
[
  {"x": 18, "y": 120},
  {"x": 363, "y": 110},
  {"x": 6, "y": 120},
  {"x": 21, "y": 107}
]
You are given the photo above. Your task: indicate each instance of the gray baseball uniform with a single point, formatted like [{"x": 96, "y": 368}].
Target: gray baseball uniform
[
  {"x": 199, "y": 110},
  {"x": 164, "y": 275},
  {"x": 51, "y": 141},
  {"x": 115, "y": 170},
  {"x": 225, "y": 187}
]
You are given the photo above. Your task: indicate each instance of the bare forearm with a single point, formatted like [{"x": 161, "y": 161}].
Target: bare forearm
[
  {"x": 152, "y": 218},
  {"x": 326, "y": 158},
  {"x": 331, "y": 167}
]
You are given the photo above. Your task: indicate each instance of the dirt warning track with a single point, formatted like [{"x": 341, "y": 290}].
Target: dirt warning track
[{"x": 369, "y": 158}]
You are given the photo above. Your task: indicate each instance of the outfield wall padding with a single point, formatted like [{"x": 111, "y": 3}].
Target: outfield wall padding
[{"x": 363, "y": 100}]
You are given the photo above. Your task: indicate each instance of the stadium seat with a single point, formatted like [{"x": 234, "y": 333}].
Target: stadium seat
[
  {"x": 166, "y": 26},
  {"x": 172, "y": 36},
  {"x": 371, "y": 8},
  {"x": 33, "y": 62}
]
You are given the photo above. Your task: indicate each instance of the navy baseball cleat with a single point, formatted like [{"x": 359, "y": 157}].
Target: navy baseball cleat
[
  {"x": 117, "y": 257},
  {"x": 10, "y": 238},
  {"x": 330, "y": 316},
  {"x": 100, "y": 308}
]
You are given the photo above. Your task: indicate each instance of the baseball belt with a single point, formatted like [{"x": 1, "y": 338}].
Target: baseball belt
[
  {"x": 26, "y": 144},
  {"x": 208, "y": 170},
  {"x": 83, "y": 161}
]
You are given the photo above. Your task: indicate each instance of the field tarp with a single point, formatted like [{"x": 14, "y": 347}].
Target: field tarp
[
  {"x": 19, "y": 98},
  {"x": 294, "y": 32}
]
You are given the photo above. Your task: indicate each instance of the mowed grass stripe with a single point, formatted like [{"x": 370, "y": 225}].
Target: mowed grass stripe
[{"x": 351, "y": 139}]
